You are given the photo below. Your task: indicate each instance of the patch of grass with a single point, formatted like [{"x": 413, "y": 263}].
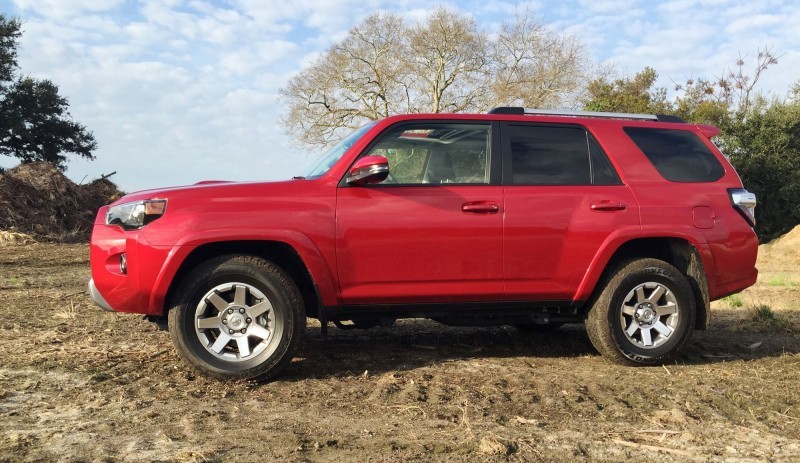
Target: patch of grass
[
  {"x": 764, "y": 315},
  {"x": 734, "y": 300},
  {"x": 67, "y": 313},
  {"x": 783, "y": 280}
]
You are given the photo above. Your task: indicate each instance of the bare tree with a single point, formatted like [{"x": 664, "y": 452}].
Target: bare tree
[
  {"x": 359, "y": 79},
  {"x": 445, "y": 64},
  {"x": 535, "y": 67},
  {"x": 448, "y": 57}
]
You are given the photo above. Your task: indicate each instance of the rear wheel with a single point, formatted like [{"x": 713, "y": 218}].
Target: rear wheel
[
  {"x": 644, "y": 314},
  {"x": 237, "y": 317}
]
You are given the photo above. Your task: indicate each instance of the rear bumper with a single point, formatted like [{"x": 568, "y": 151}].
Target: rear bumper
[
  {"x": 97, "y": 297},
  {"x": 735, "y": 251},
  {"x": 734, "y": 287}
]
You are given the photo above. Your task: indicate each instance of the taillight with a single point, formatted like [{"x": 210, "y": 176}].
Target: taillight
[{"x": 745, "y": 203}]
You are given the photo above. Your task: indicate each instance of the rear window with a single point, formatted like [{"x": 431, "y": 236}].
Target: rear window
[{"x": 678, "y": 155}]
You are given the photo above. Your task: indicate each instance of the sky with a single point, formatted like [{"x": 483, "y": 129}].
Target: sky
[{"x": 179, "y": 91}]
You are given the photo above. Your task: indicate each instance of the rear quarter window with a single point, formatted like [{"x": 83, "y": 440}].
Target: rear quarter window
[{"x": 678, "y": 155}]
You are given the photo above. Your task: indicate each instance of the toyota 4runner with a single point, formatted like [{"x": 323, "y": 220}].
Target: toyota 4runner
[{"x": 628, "y": 223}]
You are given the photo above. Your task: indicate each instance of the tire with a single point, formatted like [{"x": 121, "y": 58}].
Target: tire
[
  {"x": 237, "y": 317},
  {"x": 643, "y": 315}
]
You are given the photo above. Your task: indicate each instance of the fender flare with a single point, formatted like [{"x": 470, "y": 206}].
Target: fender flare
[
  {"x": 619, "y": 238},
  {"x": 306, "y": 249}
]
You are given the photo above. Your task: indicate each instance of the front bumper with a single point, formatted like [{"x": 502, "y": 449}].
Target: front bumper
[
  {"x": 141, "y": 285},
  {"x": 97, "y": 297}
]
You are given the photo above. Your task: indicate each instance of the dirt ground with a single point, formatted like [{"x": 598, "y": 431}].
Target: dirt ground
[{"x": 79, "y": 384}]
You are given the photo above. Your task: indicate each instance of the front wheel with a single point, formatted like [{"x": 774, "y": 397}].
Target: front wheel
[
  {"x": 237, "y": 317},
  {"x": 644, "y": 314}
]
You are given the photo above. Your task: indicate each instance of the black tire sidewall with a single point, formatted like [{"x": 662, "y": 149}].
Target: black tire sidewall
[{"x": 675, "y": 283}]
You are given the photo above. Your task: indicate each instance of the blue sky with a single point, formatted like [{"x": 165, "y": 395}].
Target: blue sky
[{"x": 178, "y": 91}]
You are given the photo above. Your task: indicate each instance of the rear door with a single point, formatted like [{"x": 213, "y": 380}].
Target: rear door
[
  {"x": 563, "y": 200},
  {"x": 432, "y": 232}
]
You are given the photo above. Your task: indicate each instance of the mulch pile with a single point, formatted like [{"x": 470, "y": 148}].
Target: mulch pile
[{"x": 38, "y": 200}]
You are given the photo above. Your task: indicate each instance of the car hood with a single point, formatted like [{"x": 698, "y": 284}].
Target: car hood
[{"x": 215, "y": 189}]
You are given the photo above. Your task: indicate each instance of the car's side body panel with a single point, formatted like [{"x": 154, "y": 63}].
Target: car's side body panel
[
  {"x": 552, "y": 235},
  {"x": 416, "y": 244}
]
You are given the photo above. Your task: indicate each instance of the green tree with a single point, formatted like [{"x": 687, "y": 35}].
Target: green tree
[
  {"x": 764, "y": 146},
  {"x": 628, "y": 94},
  {"x": 35, "y": 124},
  {"x": 9, "y": 34},
  {"x": 721, "y": 101}
]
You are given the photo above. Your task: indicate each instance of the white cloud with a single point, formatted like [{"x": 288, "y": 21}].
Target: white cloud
[
  {"x": 244, "y": 61},
  {"x": 64, "y": 8},
  {"x": 416, "y": 16},
  {"x": 753, "y": 23},
  {"x": 611, "y": 7}
]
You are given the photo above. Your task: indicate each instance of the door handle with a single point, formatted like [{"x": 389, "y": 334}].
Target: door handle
[
  {"x": 480, "y": 207},
  {"x": 605, "y": 206}
]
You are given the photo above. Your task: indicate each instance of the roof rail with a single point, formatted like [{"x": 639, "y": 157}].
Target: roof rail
[{"x": 516, "y": 110}]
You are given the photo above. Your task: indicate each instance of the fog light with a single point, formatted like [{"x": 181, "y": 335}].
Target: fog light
[{"x": 123, "y": 263}]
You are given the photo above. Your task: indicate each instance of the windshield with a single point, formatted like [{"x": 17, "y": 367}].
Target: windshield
[{"x": 334, "y": 154}]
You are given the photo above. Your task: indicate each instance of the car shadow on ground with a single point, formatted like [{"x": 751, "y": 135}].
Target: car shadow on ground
[{"x": 412, "y": 344}]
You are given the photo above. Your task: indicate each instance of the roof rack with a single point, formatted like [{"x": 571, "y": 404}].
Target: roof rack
[{"x": 516, "y": 110}]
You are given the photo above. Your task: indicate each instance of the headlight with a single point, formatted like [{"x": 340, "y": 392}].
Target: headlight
[{"x": 137, "y": 214}]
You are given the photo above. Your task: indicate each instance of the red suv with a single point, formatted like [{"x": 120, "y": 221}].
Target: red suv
[{"x": 630, "y": 223}]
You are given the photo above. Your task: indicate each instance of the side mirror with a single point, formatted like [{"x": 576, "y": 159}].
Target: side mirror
[{"x": 369, "y": 169}]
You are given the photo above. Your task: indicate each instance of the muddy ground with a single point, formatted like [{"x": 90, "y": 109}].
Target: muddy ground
[{"x": 79, "y": 384}]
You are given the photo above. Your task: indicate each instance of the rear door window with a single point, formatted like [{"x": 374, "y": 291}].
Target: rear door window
[
  {"x": 678, "y": 155},
  {"x": 555, "y": 155}
]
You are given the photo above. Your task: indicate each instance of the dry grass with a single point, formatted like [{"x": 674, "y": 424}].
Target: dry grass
[{"x": 8, "y": 238}]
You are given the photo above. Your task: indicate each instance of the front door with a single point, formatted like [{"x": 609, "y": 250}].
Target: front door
[{"x": 432, "y": 231}]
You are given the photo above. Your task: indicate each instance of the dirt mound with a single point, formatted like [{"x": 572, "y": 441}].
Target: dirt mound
[
  {"x": 788, "y": 244},
  {"x": 37, "y": 199}
]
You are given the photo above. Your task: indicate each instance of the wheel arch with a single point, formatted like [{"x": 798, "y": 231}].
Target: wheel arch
[
  {"x": 679, "y": 252},
  {"x": 281, "y": 254}
]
